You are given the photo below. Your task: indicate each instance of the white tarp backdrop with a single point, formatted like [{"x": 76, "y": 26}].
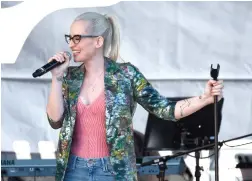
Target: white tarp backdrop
[
  {"x": 7, "y": 4},
  {"x": 172, "y": 43}
]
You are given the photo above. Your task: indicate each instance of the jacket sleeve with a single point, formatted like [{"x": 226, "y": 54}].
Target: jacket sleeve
[
  {"x": 58, "y": 124},
  {"x": 149, "y": 98}
]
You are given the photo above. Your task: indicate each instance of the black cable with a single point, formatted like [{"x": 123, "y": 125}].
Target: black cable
[
  {"x": 206, "y": 156},
  {"x": 3, "y": 172},
  {"x": 35, "y": 170},
  {"x": 202, "y": 157},
  {"x": 219, "y": 150},
  {"x": 238, "y": 145}
]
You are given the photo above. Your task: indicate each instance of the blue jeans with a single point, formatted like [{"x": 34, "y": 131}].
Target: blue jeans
[{"x": 81, "y": 169}]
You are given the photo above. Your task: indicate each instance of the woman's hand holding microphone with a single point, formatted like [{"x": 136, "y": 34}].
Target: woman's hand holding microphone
[{"x": 64, "y": 58}]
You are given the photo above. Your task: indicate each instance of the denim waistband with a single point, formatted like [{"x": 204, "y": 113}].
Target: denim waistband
[{"x": 76, "y": 161}]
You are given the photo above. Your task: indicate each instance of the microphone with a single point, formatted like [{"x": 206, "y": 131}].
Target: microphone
[
  {"x": 155, "y": 161},
  {"x": 49, "y": 66}
]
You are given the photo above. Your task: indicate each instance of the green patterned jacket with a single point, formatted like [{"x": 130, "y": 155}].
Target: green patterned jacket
[{"x": 125, "y": 86}]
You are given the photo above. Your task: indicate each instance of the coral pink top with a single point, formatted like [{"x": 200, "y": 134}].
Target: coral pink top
[{"x": 89, "y": 139}]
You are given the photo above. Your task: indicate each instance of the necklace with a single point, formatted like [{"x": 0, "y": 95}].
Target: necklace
[{"x": 92, "y": 86}]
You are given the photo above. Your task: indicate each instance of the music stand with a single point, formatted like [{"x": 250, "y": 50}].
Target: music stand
[
  {"x": 189, "y": 132},
  {"x": 160, "y": 135}
]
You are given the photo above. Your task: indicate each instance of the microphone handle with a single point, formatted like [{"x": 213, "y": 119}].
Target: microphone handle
[
  {"x": 46, "y": 68},
  {"x": 147, "y": 163},
  {"x": 150, "y": 162}
]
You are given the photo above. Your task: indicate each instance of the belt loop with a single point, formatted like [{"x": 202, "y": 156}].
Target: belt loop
[
  {"x": 74, "y": 161},
  {"x": 104, "y": 166}
]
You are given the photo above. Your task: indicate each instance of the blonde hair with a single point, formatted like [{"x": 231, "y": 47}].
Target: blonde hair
[{"x": 107, "y": 27}]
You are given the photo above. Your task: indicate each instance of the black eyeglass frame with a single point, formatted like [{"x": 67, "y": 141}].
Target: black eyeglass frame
[{"x": 68, "y": 38}]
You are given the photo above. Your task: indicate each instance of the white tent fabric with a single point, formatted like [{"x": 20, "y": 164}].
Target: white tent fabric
[
  {"x": 172, "y": 43},
  {"x": 7, "y": 4}
]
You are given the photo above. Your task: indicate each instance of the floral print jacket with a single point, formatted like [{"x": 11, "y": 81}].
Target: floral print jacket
[{"x": 125, "y": 86}]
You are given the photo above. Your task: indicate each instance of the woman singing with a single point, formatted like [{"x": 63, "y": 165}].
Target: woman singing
[{"x": 94, "y": 103}]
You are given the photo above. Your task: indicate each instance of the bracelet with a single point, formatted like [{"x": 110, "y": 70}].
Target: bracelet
[{"x": 60, "y": 78}]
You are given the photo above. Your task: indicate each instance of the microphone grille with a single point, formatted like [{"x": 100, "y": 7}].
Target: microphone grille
[{"x": 68, "y": 54}]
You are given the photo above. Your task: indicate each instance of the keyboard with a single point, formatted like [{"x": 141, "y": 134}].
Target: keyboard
[{"x": 47, "y": 167}]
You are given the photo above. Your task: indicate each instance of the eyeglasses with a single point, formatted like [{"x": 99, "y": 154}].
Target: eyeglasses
[{"x": 77, "y": 38}]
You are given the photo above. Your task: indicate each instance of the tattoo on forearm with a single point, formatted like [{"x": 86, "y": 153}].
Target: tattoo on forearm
[
  {"x": 60, "y": 78},
  {"x": 200, "y": 97},
  {"x": 184, "y": 105}
]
